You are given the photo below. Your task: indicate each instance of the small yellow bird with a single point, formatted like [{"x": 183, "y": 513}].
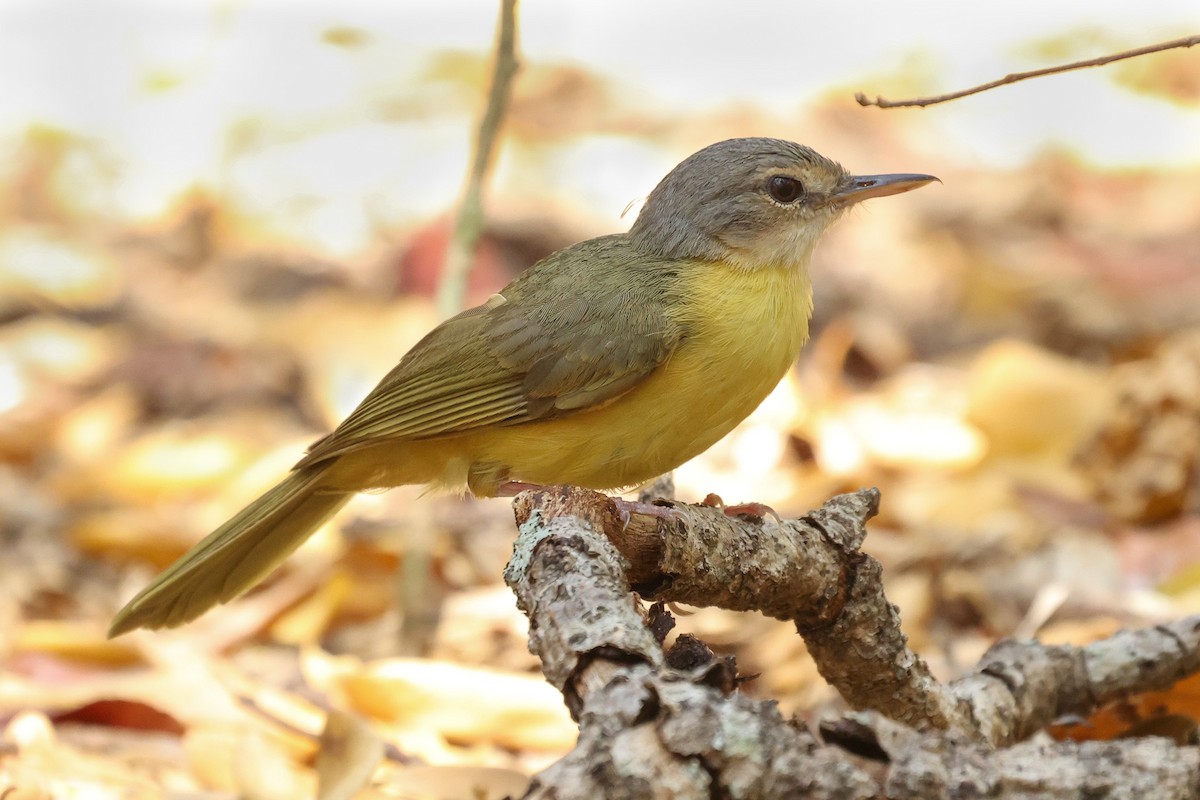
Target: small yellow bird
[{"x": 604, "y": 365}]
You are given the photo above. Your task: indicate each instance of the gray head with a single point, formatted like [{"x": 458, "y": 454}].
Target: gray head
[{"x": 755, "y": 202}]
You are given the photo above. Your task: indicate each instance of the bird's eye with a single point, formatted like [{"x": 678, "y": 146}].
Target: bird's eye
[{"x": 784, "y": 189}]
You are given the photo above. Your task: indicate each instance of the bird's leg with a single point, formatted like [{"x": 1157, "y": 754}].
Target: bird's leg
[
  {"x": 651, "y": 501},
  {"x": 626, "y": 508},
  {"x": 759, "y": 510},
  {"x": 644, "y": 506},
  {"x": 514, "y": 488}
]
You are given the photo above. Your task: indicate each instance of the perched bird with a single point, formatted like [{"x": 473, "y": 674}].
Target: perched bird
[{"x": 605, "y": 364}]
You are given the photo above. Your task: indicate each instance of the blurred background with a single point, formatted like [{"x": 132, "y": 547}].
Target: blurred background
[{"x": 222, "y": 222}]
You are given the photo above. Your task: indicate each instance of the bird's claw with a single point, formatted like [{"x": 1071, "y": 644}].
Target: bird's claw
[
  {"x": 627, "y": 508},
  {"x": 758, "y": 510}
]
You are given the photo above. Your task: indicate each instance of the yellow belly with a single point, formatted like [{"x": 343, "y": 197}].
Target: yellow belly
[{"x": 747, "y": 329}]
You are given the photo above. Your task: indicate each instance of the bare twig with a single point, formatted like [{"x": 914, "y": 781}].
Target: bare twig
[
  {"x": 1187, "y": 41},
  {"x": 460, "y": 253},
  {"x": 421, "y": 609}
]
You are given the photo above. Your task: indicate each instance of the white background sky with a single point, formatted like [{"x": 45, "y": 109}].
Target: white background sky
[{"x": 100, "y": 68}]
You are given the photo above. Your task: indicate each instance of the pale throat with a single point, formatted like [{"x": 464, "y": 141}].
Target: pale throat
[{"x": 789, "y": 249}]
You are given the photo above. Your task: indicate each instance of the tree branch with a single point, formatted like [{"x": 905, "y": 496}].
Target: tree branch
[
  {"x": 645, "y": 730},
  {"x": 809, "y": 571},
  {"x": 942, "y": 765},
  {"x": 1187, "y": 41},
  {"x": 651, "y": 721}
]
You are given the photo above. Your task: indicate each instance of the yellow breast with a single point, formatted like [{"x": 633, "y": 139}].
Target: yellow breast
[{"x": 746, "y": 330}]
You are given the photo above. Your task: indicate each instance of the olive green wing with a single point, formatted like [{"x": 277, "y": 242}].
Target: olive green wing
[{"x": 574, "y": 332}]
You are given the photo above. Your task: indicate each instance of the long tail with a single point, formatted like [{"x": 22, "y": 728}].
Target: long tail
[{"x": 235, "y": 556}]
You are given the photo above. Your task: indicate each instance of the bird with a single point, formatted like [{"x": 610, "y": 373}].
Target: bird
[{"x": 605, "y": 364}]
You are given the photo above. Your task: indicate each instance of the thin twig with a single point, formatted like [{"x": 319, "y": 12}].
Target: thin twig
[
  {"x": 1187, "y": 41},
  {"x": 460, "y": 254},
  {"x": 420, "y": 614}
]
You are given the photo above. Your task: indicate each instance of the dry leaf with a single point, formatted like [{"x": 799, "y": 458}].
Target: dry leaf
[
  {"x": 459, "y": 782},
  {"x": 347, "y": 756},
  {"x": 1032, "y": 403},
  {"x": 75, "y": 640},
  {"x": 1145, "y": 461},
  {"x": 263, "y": 771},
  {"x": 469, "y": 705},
  {"x": 45, "y": 766}
]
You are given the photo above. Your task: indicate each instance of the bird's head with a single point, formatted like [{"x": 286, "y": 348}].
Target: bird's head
[{"x": 754, "y": 202}]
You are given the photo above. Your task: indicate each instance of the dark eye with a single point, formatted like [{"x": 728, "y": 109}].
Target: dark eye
[{"x": 784, "y": 189}]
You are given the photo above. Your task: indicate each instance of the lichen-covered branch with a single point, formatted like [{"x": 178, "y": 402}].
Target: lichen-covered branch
[
  {"x": 657, "y": 725},
  {"x": 1021, "y": 687},
  {"x": 810, "y": 571},
  {"x": 933, "y": 765},
  {"x": 644, "y": 730},
  {"x": 575, "y": 595}
]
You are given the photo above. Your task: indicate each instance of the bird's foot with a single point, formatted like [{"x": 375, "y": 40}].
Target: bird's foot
[
  {"x": 514, "y": 488},
  {"x": 759, "y": 510},
  {"x": 627, "y": 508}
]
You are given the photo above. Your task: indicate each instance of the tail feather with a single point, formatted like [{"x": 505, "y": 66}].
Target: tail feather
[{"x": 235, "y": 556}]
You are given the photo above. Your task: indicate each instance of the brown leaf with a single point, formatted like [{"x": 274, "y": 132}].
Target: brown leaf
[{"x": 349, "y": 752}]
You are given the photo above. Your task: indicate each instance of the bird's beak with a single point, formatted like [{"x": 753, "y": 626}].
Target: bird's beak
[{"x": 859, "y": 187}]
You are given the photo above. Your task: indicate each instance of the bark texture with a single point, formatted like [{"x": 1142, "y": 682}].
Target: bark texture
[{"x": 671, "y": 725}]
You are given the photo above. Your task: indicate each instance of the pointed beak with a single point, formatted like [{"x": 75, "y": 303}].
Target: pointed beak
[{"x": 859, "y": 187}]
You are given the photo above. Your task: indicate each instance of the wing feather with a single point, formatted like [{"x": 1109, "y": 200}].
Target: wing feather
[{"x": 552, "y": 344}]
